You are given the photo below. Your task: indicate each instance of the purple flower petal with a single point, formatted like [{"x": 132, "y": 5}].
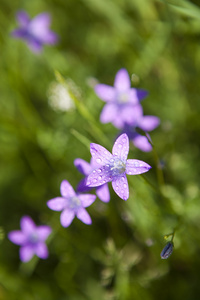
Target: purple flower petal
[
  {"x": 66, "y": 189},
  {"x": 122, "y": 80},
  {"x": 41, "y": 250},
  {"x": 141, "y": 94},
  {"x": 57, "y": 203},
  {"x": 26, "y": 253},
  {"x": 109, "y": 113},
  {"x": 135, "y": 167},
  {"x": 82, "y": 187},
  {"x": 67, "y": 217},
  {"x": 23, "y": 18},
  {"x": 121, "y": 147},
  {"x": 86, "y": 199},
  {"x": 103, "y": 193},
  {"x": 120, "y": 186},
  {"x": 19, "y": 33},
  {"x": 105, "y": 92},
  {"x": 39, "y": 25},
  {"x": 99, "y": 176},
  {"x": 35, "y": 45},
  {"x": 17, "y": 237},
  {"x": 27, "y": 225},
  {"x": 148, "y": 123},
  {"x": 43, "y": 232},
  {"x": 142, "y": 143},
  {"x": 83, "y": 215},
  {"x": 100, "y": 154},
  {"x": 83, "y": 166}
]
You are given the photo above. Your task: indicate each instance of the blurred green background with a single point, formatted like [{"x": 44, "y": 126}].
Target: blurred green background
[{"x": 118, "y": 257}]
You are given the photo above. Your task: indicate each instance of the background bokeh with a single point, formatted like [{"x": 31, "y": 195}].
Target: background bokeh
[{"x": 118, "y": 256}]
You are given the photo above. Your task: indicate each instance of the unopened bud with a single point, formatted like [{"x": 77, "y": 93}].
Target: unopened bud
[{"x": 167, "y": 250}]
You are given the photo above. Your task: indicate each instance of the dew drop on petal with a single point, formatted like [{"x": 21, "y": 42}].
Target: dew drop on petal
[
  {"x": 123, "y": 178},
  {"x": 100, "y": 177},
  {"x": 94, "y": 180},
  {"x": 123, "y": 140},
  {"x": 99, "y": 171},
  {"x": 119, "y": 145},
  {"x": 98, "y": 160},
  {"x": 125, "y": 185}
]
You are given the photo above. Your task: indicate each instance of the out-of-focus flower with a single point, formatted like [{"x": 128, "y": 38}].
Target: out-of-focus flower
[
  {"x": 59, "y": 97},
  {"x": 115, "y": 166},
  {"x": 167, "y": 250},
  {"x": 31, "y": 238},
  {"x": 71, "y": 204},
  {"x": 121, "y": 100},
  {"x": 86, "y": 168},
  {"x": 35, "y": 32},
  {"x": 146, "y": 123}
]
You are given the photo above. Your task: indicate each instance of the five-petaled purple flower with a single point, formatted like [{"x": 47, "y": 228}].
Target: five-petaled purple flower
[
  {"x": 71, "y": 204},
  {"x": 31, "y": 238},
  {"x": 146, "y": 123},
  {"x": 36, "y": 31},
  {"x": 121, "y": 100},
  {"x": 86, "y": 168},
  {"x": 115, "y": 166}
]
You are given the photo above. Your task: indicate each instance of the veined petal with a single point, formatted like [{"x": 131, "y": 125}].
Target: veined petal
[
  {"x": 83, "y": 215},
  {"x": 83, "y": 166},
  {"x": 120, "y": 186},
  {"x": 121, "y": 147},
  {"x": 103, "y": 192},
  {"x": 57, "y": 203},
  {"x": 66, "y": 217},
  {"x": 99, "y": 176},
  {"x": 86, "y": 199},
  {"x": 41, "y": 250},
  {"x": 17, "y": 237},
  {"x": 66, "y": 189},
  {"x": 100, "y": 154},
  {"x": 27, "y": 225},
  {"x": 135, "y": 167},
  {"x": 26, "y": 253},
  {"x": 122, "y": 80},
  {"x": 109, "y": 113},
  {"x": 142, "y": 143},
  {"x": 43, "y": 232},
  {"x": 148, "y": 123},
  {"x": 105, "y": 92}
]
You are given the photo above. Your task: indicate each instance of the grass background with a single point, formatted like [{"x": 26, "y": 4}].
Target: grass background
[{"x": 118, "y": 257}]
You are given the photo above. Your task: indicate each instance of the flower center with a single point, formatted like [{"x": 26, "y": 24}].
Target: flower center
[
  {"x": 123, "y": 97},
  {"x": 118, "y": 167},
  {"x": 33, "y": 238},
  {"x": 74, "y": 203}
]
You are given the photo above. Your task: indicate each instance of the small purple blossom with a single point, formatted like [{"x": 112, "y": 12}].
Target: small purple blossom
[
  {"x": 146, "y": 123},
  {"x": 115, "y": 166},
  {"x": 121, "y": 100},
  {"x": 31, "y": 238},
  {"x": 71, "y": 204},
  {"x": 167, "y": 250},
  {"x": 86, "y": 168},
  {"x": 35, "y": 32}
]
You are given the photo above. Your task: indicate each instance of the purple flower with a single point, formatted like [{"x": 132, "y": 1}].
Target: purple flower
[
  {"x": 71, "y": 205},
  {"x": 121, "y": 100},
  {"x": 31, "y": 238},
  {"x": 35, "y": 32},
  {"x": 115, "y": 166},
  {"x": 86, "y": 168},
  {"x": 146, "y": 123}
]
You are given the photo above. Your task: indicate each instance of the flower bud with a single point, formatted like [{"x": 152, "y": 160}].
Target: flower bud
[{"x": 167, "y": 250}]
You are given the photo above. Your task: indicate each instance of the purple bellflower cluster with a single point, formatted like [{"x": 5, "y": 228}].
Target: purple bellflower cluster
[
  {"x": 123, "y": 109},
  {"x": 35, "y": 32}
]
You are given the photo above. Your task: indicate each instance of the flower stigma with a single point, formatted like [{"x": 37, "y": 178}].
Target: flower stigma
[{"x": 118, "y": 167}]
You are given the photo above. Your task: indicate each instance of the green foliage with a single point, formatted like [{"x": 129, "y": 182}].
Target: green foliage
[{"x": 118, "y": 257}]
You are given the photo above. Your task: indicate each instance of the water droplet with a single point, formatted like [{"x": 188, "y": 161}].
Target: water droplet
[
  {"x": 112, "y": 160},
  {"x": 94, "y": 172},
  {"x": 125, "y": 185},
  {"x": 119, "y": 145},
  {"x": 123, "y": 140},
  {"x": 123, "y": 178},
  {"x": 100, "y": 177},
  {"x": 94, "y": 180},
  {"x": 99, "y": 171},
  {"x": 117, "y": 188},
  {"x": 98, "y": 160}
]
